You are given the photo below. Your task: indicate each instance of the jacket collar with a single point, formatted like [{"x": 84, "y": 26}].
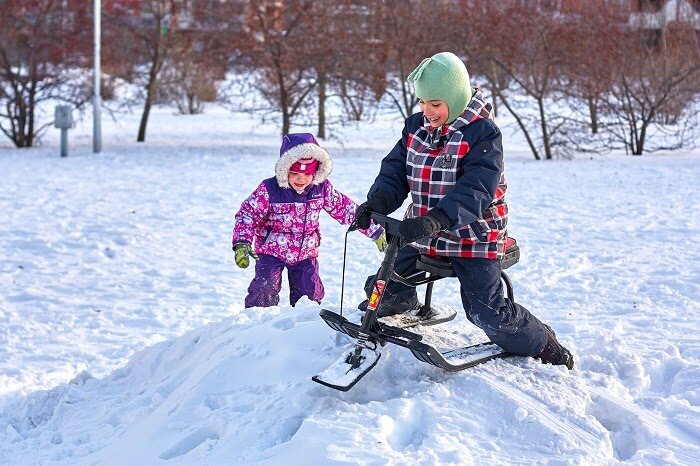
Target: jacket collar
[{"x": 476, "y": 109}]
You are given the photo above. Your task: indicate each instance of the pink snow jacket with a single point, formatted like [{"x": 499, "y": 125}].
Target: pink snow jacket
[{"x": 285, "y": 224}]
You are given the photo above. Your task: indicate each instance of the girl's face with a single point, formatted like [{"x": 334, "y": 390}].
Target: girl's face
[
  {"x": 299, "y": 181},
  {"x": 435, "y": 111}
]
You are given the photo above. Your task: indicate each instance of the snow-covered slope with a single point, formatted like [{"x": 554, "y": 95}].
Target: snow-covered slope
[{"x": 123, "y": 337}]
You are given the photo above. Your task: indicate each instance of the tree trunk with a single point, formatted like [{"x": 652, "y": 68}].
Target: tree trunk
[
  {"x": 633, "y": 141},
  {"x": 641, "y": 136},
  {"x": 521, "y": 125},
  {"x": 18, "y": 132},
  {"x": 30, "y": 116},
  {"x": 321, "y": 104},
  {"x": 545, "y": 131},
  {"x": 593, "y": 112},
  {"x": 284, "y": 99},
  {"x": 150, "y": 91},
  {"x": 286, "y": 121},
  {"x": 23, "y": 134},
  {"x": 144, "y": 116}
]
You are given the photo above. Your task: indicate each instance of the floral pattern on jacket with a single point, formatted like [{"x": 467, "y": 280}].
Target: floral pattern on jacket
[{"x": 285, "y": 224}]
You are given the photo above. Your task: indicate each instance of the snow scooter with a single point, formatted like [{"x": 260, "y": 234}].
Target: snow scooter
[{"x": 370, "y": 332}]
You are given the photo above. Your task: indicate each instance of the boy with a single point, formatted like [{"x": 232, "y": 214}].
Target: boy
[{"x": 450, "y": 159}]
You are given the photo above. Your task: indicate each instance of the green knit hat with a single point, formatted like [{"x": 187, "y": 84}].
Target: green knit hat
[{"x": 443, "y": 77}]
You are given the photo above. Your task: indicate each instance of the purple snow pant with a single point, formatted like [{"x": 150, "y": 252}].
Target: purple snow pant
[{"x": 303, "y": 279}]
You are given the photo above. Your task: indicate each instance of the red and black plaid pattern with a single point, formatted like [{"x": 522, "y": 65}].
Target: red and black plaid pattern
[{"x": 433, "y": 159}]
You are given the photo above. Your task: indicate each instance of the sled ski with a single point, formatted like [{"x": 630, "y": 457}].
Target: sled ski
[
  {"x": 373, "y": 331},
  {"x": 450, "y": 360},
  {"x": 459, "y": 358},
  {"x": 341, "y": 375}
]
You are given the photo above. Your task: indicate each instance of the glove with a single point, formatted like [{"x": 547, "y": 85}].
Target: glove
[
  {"x": 381, "y": 242},
  {"x": 376, "y": 203},
  {"x": 413, "y": 229},
  {"x": 243, "y": 250}
]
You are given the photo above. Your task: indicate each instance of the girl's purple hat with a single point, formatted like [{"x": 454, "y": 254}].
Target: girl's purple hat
[
  {"x": 294, "y": 139},
  {"x": 302, "y": 146}
]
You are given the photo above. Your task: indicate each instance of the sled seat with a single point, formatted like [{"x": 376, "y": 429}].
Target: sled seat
[
  {"x": 512, "y": 255},
  {"x": 443, "y": 267}
]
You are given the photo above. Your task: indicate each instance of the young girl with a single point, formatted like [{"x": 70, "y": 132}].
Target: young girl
[{"x": 278, "y": 224}]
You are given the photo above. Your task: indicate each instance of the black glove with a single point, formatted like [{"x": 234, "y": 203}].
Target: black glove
[
  {"x": 376, "y": 203},
  {"x": 413, "y": 229}
]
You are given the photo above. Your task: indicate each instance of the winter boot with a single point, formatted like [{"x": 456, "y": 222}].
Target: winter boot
[
  {"x": 553, "y": 351},
  {"x": 394, "y": 304}
]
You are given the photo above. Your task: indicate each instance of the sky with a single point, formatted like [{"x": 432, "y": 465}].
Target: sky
[{"x": 124, "y": 339}]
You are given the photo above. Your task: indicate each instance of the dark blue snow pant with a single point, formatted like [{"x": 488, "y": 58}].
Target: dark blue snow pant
[
  {"x": 265, "y": 288},
  {"x": 509, "y": 325}
]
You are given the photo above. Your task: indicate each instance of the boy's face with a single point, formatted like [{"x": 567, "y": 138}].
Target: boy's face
[
  {"x": 299, "y": 181},
  {"x": 435, "y": 111}
]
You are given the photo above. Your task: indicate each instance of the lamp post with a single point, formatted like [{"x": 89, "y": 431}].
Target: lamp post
[{"x": 97, "y": 98}]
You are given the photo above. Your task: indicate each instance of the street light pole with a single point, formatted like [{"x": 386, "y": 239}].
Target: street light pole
[{"x": 97, "y": 98}]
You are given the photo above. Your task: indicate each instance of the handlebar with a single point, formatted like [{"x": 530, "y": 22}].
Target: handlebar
[{"x": 390, "y": 225}]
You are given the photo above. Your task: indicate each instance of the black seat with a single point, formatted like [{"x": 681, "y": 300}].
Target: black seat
[
  {"x": 512, "y": 255},
  {"x": 440, "y": 266},
  {"x": 443, "y": 267}
]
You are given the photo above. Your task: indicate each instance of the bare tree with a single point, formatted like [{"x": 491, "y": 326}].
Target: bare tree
[
  {"x": 199, "y": 59},
  {"x": 475, "y": 48},
  {"x": 589, "y": 62},
  {"x": 277, "y": 58},
  {"x": 327, "y": 34},
  {"x": 349, "y": 61},
  {"x": 408, "y": 33},
  {"x": 655, "y": 88},
  {"x": 40, "y": 46},
  {"x": 139, "y": 42},
  {"x": 360, "y": 76},
  {"x": 526, "y": 74},
  {"x": 188, "y": 83},
  {"x": 361, "y": 86}
]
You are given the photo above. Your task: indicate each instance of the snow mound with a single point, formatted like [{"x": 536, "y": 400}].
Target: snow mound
[{"x": 239, "y": 392}]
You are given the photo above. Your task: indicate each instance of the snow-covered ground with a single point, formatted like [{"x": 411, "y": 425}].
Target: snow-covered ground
[{"x": 123, "y": 337}]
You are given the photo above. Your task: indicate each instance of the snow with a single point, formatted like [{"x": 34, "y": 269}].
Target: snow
[{"x": 124, "y": 340}]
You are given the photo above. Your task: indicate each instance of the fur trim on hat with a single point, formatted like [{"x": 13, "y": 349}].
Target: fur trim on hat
[{"x": 303, "y": 151}]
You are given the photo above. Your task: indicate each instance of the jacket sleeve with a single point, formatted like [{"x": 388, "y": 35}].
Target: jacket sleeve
[
  {"x": 392, "y": 181},
  {"x": 252, "y": 213},
  {"x": 342, "y": 208},
  {"x": 482, "y": 167}
]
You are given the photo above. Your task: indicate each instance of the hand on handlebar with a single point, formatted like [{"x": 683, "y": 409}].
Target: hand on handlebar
[
  {"x": 364, "y": 210},
  {"x": 413, "y": 229}
]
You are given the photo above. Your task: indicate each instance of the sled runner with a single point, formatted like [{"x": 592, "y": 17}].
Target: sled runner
[{"x": 373, "y": 332}]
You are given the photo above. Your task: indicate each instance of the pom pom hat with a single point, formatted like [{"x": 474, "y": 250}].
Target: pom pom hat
[
  {"x": 301, "y": 153},
  {"x": 443, "y": 77}
]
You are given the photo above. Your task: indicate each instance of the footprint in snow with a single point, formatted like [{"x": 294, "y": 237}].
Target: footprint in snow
[{"x": 284, "y": 324}]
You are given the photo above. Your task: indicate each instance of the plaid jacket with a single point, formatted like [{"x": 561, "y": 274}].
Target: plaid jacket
[{"x": 458, "y": 168}]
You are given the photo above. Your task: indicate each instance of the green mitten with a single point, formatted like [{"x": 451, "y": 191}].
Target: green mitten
[
  {"x": 243, "y": 251},
  {"x": 381, "y": 242}
]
